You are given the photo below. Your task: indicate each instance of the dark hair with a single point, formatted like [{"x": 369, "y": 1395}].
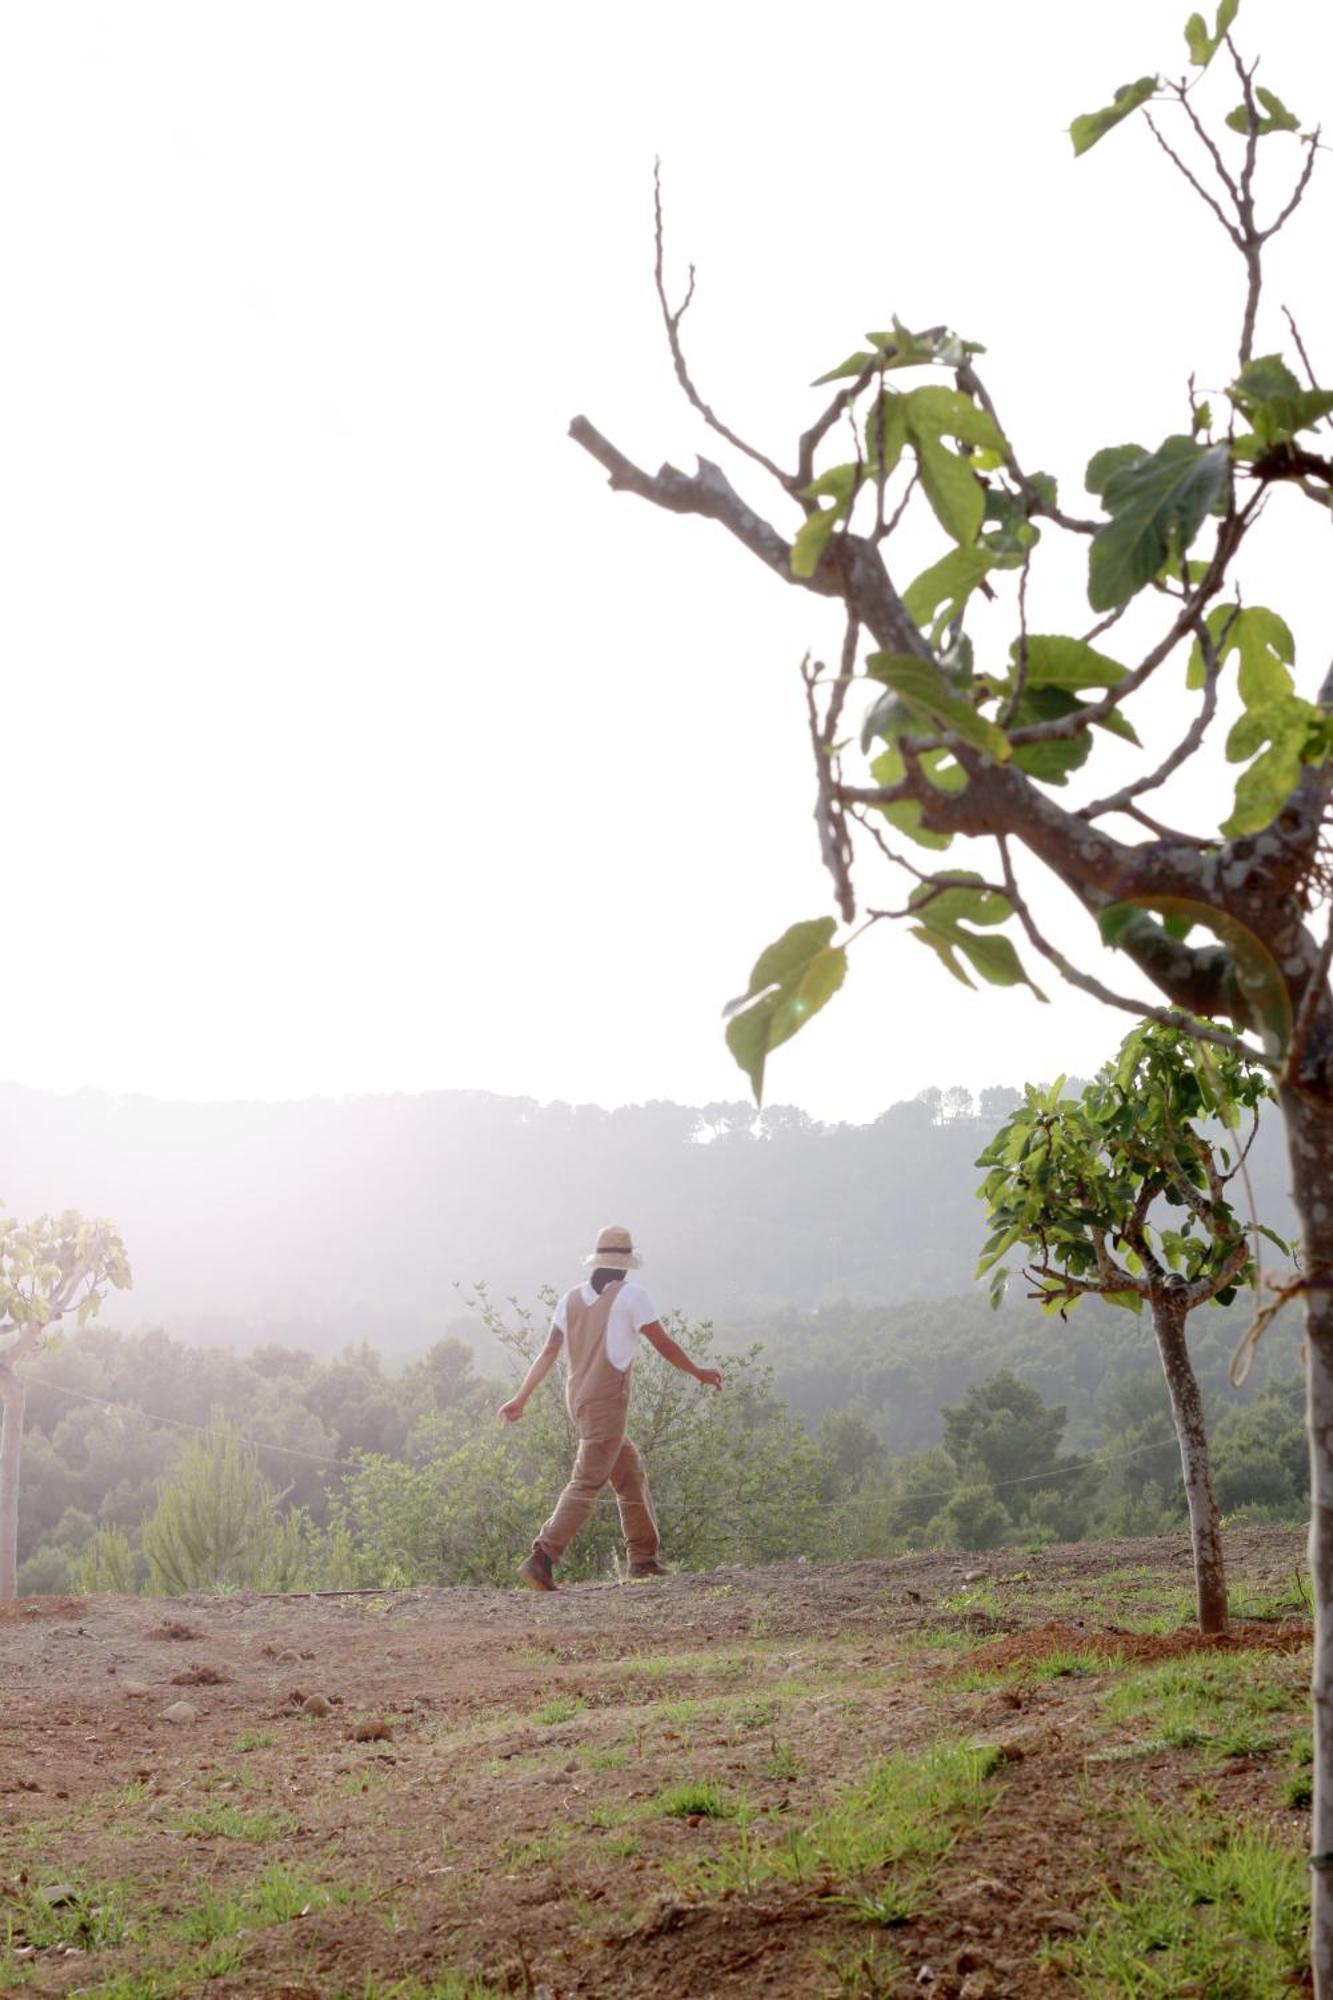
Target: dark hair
[{"x": 602, "y": 1277}]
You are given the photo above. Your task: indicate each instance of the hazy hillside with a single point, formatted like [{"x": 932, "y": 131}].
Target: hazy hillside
[{"x": 323, "y": 1221}]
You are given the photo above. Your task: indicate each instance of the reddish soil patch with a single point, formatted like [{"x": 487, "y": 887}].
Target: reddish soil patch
[
  {"x": 24, "y": 1609},
  {"x": 1245, "y": 1636}
]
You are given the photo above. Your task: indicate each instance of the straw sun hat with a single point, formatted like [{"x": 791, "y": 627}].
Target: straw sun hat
[{"x": 615, "y": 1250}]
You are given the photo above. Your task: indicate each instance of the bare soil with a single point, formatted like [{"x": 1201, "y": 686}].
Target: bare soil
[{"x": 471, "y": 1781}]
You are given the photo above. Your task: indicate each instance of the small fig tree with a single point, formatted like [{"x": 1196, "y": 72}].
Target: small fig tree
[
  {"x": 53, "y": 1266},
  {"x": 1125, "y": 1193}
]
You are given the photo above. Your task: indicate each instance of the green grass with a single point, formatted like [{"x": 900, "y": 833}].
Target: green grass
[
  {"x": 783, "y": 1762},
  {"x": 227, "y": 1823},
  {"x": 538, "y": 1853},
  {"x": 1071, "y": 1663},
  {"x": 282, "y": 1893},
  {"x": 975, "y": 1597},
  {"x": 909, "y": 1810},
  {"x": 608, "y": 1815},
  {"x": 701, "y": 1796},
  {"x": 278, "y": 1895},
  {"x": 255, "y": 1739},
  {"x": 562, "y": 1709},
  {"x": 1222, "y": 1912},
  {"x": 1227, "y": 1703},
  {"x": 878, "y": 1842},
  {"x": 867, "y": 1973},
  {"x": 95, "y": 1919},
  {"x": 212, "y": 1917}
]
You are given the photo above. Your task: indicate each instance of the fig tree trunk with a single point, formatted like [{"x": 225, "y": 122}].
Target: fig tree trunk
[
  {"x": 1169, "y": 1311},
  {"x": 14, "y": 1397},
  {"x": 1309, "y": 1124}
]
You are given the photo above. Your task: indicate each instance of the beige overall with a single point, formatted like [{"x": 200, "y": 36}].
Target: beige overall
[{"x": 597, "y": 1397}]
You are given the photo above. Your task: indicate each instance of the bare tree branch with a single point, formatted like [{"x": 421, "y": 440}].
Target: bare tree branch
[
  {"x": 1209, "y": 200},
  {"x": 851, "y": 569},
  {"x": 1298, "y": 192},
  {"x": 830, "y": 814},
  {"x": 671, "y": 321},
  {"x": 1185, "y": 749}
]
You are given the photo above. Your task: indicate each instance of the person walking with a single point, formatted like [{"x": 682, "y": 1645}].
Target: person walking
[{"x": 599, "y": 1323}]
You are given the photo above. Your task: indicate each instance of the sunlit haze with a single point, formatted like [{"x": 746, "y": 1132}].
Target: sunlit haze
[{"x": 357, "y": 737}]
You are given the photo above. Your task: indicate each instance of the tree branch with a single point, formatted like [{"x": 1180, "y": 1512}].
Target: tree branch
[
  {"x": 1209, "y": 200},
  {"x": 830, "y": 815},
  {"x": 1086, "y": 983},
  {"x": 671, "y": 321},
  {"x": 1188, "y": 744},
  {"x": 851, "y": 570}
]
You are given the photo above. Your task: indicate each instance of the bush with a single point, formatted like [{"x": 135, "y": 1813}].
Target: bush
[{"x": 975, "y": 1519}]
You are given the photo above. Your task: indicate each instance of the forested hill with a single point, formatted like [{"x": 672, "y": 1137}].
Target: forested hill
[{"x": 328, "y": 1220}]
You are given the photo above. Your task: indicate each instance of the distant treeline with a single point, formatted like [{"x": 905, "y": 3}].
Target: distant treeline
[
  {"x": 306, "y": 1222},
  {"x": 850, "y": 1431}
]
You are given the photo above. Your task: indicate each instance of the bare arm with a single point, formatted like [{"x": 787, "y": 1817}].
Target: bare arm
[
  {"x": 672, "y": 1351},
  {"x": 511, "y": 1411}
]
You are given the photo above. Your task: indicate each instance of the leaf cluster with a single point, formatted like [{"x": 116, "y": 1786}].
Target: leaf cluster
[
  {"x": 45, "y": 1265},
  {"x": 1127, "y": 1185}
]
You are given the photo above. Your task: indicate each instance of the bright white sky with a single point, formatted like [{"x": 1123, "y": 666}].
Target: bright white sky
[{"x": 356, "y": 737}]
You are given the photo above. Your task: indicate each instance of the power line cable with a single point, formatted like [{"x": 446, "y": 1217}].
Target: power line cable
[{"x": 180, "y": 1424}]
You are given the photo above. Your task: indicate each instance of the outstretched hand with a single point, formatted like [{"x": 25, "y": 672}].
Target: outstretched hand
[
  {"x": 712, "y": 1376},
  {"x": 511, "y": 1411}
]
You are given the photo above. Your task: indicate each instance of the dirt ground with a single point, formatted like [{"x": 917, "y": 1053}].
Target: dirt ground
[{"x": 483, "y": 1786}]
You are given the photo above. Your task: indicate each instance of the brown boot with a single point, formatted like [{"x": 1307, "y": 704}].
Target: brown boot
[
  {"x": 536, "y": 1571},
  {"x": 652, "y": 1567}
]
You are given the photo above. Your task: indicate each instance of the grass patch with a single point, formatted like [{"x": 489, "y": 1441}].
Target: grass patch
[
  {"x": 227, "y": 1823},
  {"x": 1226, "y": 1702},
  {"x": 864, "y": 1974},
  {"x": 520, "y": 1854},
  {"x": 255, "y": 1739},
  {"x": 562, "y": 1709},
  {"x": 783, "y": 1762},
  {"x": 909, "y": 1810},
  {"x": 702, "y": 1798},
  {"x": 1223, "y": 1913},
  {"x": 212, "y": 1917},
  {"x": 278, "y": 1895},
  {"x": 92, "y": 1919},
  {"x": 939, "y": 1639},
  {"x": 878, "y": 1843},
  {"x": 1270, "y": 1606},
  {"x": 1070, "y": 1663},
  {"x": 282, "y": 1893},
  {"x": 756, "y": 1714}
]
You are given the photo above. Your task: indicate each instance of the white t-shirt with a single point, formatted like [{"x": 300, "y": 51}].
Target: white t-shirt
[{"x": 631, "y": 1311}]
